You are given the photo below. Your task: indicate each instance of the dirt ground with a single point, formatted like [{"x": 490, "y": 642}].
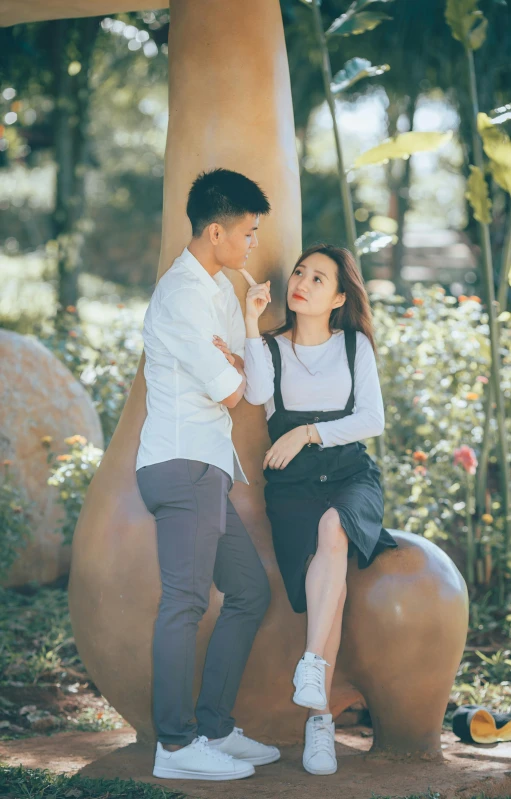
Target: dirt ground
[{"x": 465, "y": 772}]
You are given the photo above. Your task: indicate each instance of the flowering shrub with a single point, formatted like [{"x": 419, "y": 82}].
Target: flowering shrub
[
  {"x": 71, "y": 473},
  {"x": 106, "y": 369},
  {"x": 434, "y": 364},
  {"x": 14, "y": 520}
]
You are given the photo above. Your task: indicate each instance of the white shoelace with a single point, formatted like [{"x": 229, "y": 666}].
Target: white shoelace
[
  {"x": 201, "y": 743},
  {"x": 313, "y": 674},
  {"x": 322, "y": 738}
]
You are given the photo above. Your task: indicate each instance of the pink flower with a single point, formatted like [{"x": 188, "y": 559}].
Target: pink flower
[
  {"x": 467, "y": 458},
  {"x": 482, "y": 379}
]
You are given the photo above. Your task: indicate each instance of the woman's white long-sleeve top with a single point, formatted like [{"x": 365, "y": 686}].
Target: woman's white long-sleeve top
[{"x": 319, "y": 380}]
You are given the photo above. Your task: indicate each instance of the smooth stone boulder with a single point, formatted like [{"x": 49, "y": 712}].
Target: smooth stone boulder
[{"x": 39, "y": 397}]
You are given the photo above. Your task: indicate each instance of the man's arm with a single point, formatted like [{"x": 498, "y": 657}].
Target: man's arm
[
  {"x": 185, "y": 327},
  {"x": 234, "y": 398}
]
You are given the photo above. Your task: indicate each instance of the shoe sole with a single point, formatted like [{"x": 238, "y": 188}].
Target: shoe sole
[
  {"x": 298, "y": 701},
  {"x": 262, "y": 761},
  {"x": 176, "y": 774},
  {"x": 320, "y": 772}
]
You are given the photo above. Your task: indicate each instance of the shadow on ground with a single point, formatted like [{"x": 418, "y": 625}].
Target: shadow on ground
[{"x": 465, "y": 772}]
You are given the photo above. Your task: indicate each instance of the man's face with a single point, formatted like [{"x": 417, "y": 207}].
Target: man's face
[{"x": 235, "y": 240}]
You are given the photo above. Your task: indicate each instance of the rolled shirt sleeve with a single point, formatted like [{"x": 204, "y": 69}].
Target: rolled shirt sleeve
[
  {"x": 368, "y": 418},
  {"x": 184, "y": 326},
  {"x": 259, "y": 371}
]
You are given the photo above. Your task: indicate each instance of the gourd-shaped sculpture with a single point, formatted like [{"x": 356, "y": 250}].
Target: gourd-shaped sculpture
[{"x": 405, "y": 620}]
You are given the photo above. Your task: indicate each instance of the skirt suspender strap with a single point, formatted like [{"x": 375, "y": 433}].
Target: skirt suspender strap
[
  {"x": 351, "y": 351},
  {"x": 277, "y": 365}
]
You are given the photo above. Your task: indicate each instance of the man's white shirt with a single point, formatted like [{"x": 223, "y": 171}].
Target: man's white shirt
[{"x": 186, "y": 375}]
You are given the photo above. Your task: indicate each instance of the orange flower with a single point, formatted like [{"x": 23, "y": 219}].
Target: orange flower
[
  {"x": 418, "y": 301},
  {"x": 75, "y": 440},
  {"x": 7, "y": 462},
  {"x": 408, "y": 314},
  {"x": 475, "y": 298},
  {"x": 487, "y": 518},
  {"x": 419, "y": 456},
  {"x": 63, "y": 457},
  {"x": 472, "y": 395},
  {"x": 462, "y": 298},
  {"x": 121, "y": 305},
  {"x": 46, "y": 441},
  {"x": 420, "y": 470},
  {"x": 466, "y": 456},
  {"x": 71, "y": 309},
  {"x": 73, "y": 334}
]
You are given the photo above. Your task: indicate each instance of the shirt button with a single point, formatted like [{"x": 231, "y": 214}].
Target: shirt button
[{"x": 323, "y": 478}]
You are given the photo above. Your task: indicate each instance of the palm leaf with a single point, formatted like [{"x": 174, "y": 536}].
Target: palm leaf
[
  {"x": 372, "y": 241},
  {"x": 477, "y": 195},
  {"x": 402, "y": 146},
  {"x": 468, "y": 24},
  {"x": 354, "y": 70}
]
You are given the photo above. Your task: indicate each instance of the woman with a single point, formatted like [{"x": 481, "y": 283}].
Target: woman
[{"x": 323, "y": 493}]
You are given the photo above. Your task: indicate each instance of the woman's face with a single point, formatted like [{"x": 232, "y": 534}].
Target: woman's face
[{"x": 312, "y": 288}]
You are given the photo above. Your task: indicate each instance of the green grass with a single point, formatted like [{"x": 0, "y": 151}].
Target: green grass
[{"x": 26, "y": 783}]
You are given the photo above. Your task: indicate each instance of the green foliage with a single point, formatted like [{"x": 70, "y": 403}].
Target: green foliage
[
  {"x": 106, "y": 368},
  {"x": 434, "y": 370},
  {"x": 36, "y": 640},
  {"x": 477, "y": 195},
  {"x": 357, "y": 24},
  {"x": 356, "y": 20},
  {"x": 372, "y": 241},
  {"x": 15, "y": 523},
  {"x": 71, "y": 473},
  {"x": 402, "y": 146},
  {"x": 497, "y": 146},
  {"x": 467, "y": 22},
  {"x": 38, "y": 783},
  {"x": 354, "y": 70}
]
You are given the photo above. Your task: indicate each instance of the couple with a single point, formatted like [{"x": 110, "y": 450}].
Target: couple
[{"x": 323, "y": 495}]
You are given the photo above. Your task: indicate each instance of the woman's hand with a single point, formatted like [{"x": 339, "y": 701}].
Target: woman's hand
[
  {"x": 258, "y": 297},
  {"x": 286, "y": 448}
]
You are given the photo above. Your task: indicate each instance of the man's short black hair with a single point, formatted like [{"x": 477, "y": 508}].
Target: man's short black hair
[{"x": 220, "y": 195}]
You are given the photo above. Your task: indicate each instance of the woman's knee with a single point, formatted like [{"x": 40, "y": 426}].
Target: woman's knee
[{"x": 331, "y": 534}]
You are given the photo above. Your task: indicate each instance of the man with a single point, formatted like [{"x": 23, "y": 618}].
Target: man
[{"x": 186, "y": 465}]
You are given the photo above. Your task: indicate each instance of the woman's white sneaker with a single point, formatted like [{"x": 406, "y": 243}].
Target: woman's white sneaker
[
  {"x": 309, "y": 682},
  {"x": 239, "y": 746},
  {"x": 319, "y": 753},
  {"x": 199, "y": 761}
]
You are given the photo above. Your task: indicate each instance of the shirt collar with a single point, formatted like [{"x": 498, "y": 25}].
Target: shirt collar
[{"x": 214, "y": 283}]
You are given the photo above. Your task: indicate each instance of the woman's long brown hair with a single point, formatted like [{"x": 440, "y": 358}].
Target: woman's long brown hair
[{"x": 355, "y": 314}]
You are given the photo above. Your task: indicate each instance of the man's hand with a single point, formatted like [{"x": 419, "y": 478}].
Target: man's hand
[
  {"x": 286, "y": 448},
  {"x": 232, "y": 357}
]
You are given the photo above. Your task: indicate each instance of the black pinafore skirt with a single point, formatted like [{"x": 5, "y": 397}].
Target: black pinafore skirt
[{"x": 341, "y": 477}]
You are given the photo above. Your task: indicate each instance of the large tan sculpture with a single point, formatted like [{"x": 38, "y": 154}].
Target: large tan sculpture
[{"x": 406, "y": 616}]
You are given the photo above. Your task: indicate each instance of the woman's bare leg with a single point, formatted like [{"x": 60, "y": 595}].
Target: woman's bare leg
[
  {"x": 325, "y": 583},
  {"x": 330, "y": 653}
]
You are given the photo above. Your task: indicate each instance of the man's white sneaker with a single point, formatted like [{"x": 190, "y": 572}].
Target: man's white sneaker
[
  {"x": 239, "y": 746},
  {"x": 319, "y": 753},
  {"x": 309, "y": 681},
  {"x": 198, "y": 761}
]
